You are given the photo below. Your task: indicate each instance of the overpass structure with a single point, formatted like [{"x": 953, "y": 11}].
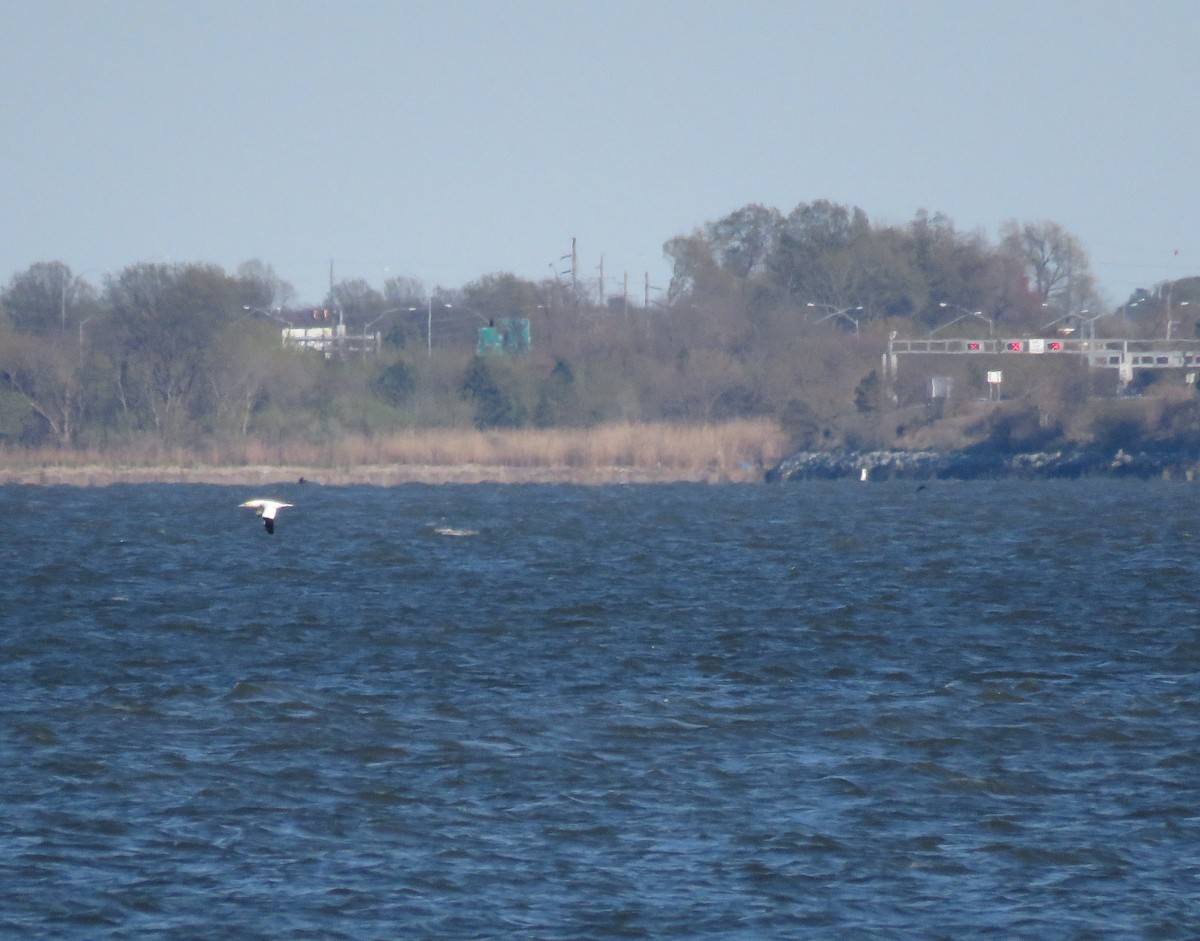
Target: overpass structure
[{"x": 1125, "y": 355}]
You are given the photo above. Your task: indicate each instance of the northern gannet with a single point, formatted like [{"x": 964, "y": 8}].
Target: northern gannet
[{"x": 267, "y": 510}]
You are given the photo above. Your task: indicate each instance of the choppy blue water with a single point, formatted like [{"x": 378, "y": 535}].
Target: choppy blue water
[{"x": 820, "y": 711}]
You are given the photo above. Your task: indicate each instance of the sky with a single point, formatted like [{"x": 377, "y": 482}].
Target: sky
[{"x": 447, "y": 140}]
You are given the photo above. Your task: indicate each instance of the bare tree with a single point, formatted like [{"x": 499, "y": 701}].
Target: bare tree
[
  {"x": 246, "y": 366},
  {"x": 49, "y": 377},
  {"x": 165, "y": 319},
  {"x": 1054, "y": 262},
  {"x": 356, "y": 300},
  {"x": 264, "y": 287}
]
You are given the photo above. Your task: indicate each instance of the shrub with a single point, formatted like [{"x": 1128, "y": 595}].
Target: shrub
[
  {"x": 1020, "y": 427},
  {"x": 396, "y": 383},
  {"x": 495, "y": 405},
  {"x": 868, "y": 395},
  {"x": 1119, "y": 425}
]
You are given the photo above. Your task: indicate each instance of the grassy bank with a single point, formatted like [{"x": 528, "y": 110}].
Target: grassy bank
[{"x": 731, "y": 451}]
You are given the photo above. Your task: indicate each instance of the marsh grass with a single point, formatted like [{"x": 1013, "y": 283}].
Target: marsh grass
[{"x": 730, "y": 450}]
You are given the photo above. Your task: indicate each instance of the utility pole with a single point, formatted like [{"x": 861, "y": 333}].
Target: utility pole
[
  {"x": 332, "y": 300},
  {"x": 1170, "y": 322},
  {"x": 601, "y": 280}
]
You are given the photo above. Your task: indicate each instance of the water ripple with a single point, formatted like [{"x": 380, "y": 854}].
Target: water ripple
[{"x": 828, "y": 711}]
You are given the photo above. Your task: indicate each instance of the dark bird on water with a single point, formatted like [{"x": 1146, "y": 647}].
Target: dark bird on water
[{"x": 267, "y": 510}]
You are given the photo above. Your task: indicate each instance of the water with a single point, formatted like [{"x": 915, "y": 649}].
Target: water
[{"x": 821, "y": 711}]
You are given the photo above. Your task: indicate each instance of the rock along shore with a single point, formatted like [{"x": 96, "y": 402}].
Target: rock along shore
[{"x": 984, "y": 463}]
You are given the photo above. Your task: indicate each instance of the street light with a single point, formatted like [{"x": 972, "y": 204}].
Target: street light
[
  {"x": 382, "y": 314},
  {"x": 1170, "y": 322},
  {"x": 1090, "y": 323},
  {"x": 442, "y": 306},
  {"x": 1065, "y": 316},
  {"x": 479, "y": 314},
  {"x": 1126, "y": 308},
  {"x": 1182, "y": 304},
  {"x": 428, "y": 325},
  {"x": 251, "y": 311},
  {"x": 978, "y": 314},
  {"x": 62, "y": 300},
  {"x": 843, "y": 312},
  {"x": 81, "y": 323}
]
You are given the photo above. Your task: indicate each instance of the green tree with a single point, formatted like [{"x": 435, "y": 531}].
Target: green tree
[
  {"x": 46, "y": 297},
  {"x": 558, "y": 398},
  {"x": 817, "y": 252},
  {"x": 396, "y": 383},
  {"x": 693, "y": 265},
  {"x": 743, "y": 241},
  {"x": 502, "y": 295},
  {"x": 495, "y": 404},
  {"x": 868, "y": 395}
]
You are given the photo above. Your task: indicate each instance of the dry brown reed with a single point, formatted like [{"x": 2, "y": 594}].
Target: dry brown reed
[{"x": 735, "y": 450}]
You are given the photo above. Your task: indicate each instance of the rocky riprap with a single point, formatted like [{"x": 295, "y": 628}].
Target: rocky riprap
[{"x": 981, "y": 462}]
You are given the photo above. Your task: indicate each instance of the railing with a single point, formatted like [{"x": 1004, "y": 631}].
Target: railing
[{"x": 1107, "y": 353}]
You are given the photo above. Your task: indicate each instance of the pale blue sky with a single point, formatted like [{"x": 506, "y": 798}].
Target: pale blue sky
[{"x": 447, "y": 140}]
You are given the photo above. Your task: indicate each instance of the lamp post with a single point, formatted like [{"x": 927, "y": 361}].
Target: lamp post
[
  {"x": 1126, "y": 308},
  {"x": 1065, "y": 317},
  {"x": 428, "y": 325},
  {"x": 977, "y": 314},
  {"x": 479, "y": 314},
  {"x": 429, "y": 318},
  {"x": 62, "y": 298},
  {"x": 843, "y": 312},
  {"x": 251, "y": 311},
  {"x": 1170, "y": 322},
  {"x": 81, "y": 323},
  {"x": 1090, "y": 323},
  {"x": 384, "y": 313}
]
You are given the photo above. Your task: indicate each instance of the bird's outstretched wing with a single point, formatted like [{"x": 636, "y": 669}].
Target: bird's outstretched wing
[{"x": 267, "y": 510}]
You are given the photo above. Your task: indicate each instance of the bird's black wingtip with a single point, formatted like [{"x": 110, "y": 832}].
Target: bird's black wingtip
[{"x": 270, "y": 524}]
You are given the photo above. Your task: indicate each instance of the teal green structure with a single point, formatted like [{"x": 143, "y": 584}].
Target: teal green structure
[{"x": 507, "y": 336}]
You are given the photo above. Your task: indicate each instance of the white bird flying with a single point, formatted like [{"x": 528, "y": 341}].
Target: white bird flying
[{"x": 267, "y": 510}]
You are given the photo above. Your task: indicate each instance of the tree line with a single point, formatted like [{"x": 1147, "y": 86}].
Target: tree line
[{"x": 767, "y": 314}]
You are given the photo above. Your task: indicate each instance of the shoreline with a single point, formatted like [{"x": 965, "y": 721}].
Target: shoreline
[
  {"x": 985, "y": 463},
  {"x": 389, "y": 475},
  {"x": 966, "y": 464}
]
